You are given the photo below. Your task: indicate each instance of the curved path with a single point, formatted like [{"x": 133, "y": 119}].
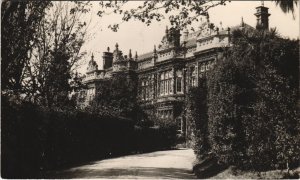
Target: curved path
[{"x": 157, "y": 165}]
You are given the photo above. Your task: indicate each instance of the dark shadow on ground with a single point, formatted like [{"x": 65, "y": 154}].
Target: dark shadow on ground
[
  {"x": 208, "y": 168},
  {"x": 146, "y": 172},
  {"x": 211, "y": 171}
]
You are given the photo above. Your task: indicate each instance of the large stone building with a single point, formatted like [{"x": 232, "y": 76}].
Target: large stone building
[{"x": 167, "y": 72}]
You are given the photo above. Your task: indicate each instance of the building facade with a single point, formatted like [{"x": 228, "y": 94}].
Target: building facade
[{"x": 166, "y": 73}]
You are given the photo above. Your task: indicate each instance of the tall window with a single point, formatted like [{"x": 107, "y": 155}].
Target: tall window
[
  {"x": 145, "y": 92},
  {"x": 207, "y": 66},
  {"x": 162, "y": 78},
  {"x": 91, "y": 94},
  {"x": 143, "y": 95},
  {"x": 165, "y": 83},
  {"x": 179, "y": 81},
  {"x": 202, "y": 69},
  {"x": 170, "y": 82},
  {"x": 193, "y": 75},
  {"x": 150, "y": 87},
  {"x": 179, "y": 125}
]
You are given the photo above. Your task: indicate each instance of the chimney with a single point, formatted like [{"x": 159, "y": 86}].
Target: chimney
[
  {"x": 154, "y": 54},
  {"x": 262, "y": 15},
  {"x": 174, "y": 35},
  {"x": 107, "y": 59}
]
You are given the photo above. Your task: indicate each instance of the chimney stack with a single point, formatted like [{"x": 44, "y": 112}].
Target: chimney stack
[
  {"x": 107, "y": 59},
  {"x": 262, "y": 15}
]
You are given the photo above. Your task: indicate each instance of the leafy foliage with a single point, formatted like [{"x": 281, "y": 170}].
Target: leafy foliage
[
  {"x": 42, "y": 42},
  {"x": 117, "y": 96},
  {"x": 19, "y": 26},
  {"x": 286, "y": 5},
  {"x": 59, "y": 39},
  {"x": 181, "y": 13},
  {"x": 198, "y": 116},
  {"x": 251, "y": 103},
  {"x": 226, "y": 99}
]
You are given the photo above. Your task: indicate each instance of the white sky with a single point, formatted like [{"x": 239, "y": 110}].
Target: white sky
[{"x": 141, "y": 38}]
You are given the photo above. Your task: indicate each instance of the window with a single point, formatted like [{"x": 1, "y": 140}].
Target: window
[
  {"x": 207, "y": 66},
  {"x": 212, "y": 64},
  {"x": 193, "y": 76},
  {"x": 162, "y": 83},
  {"x": 179, "y": 84},
  {"x": 91, "y": 94},
  {"x": 150, "y": 87},
  {"x": 179, "y": 81},
  {"x": 146, "y": 88},
  {"x": 166, "y": 90},
  {"x": 161, "y": 114},
  {"x": 166, "y": 83},
  {"x": 169, "y": 114},
  {"x": 165, "y": 114},
  {"x": 170, "y": 82},
  {"x": 180, "y": 125},
  {"x": 202, "y": 67}
]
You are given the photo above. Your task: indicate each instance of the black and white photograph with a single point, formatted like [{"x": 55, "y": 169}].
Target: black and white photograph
[{"x": 150, "y": 89}]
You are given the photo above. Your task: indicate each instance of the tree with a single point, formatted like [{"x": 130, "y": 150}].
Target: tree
[
  {"x": 19, "y": 24},
  {"x": 287, "y": 5},
  {"x": 117, "y": 97},
  {"x": 190, "y": 10},
  {"x": 41, "y": 46},
  {"x": 149, "y": 11},
  {"x": 59, "y": 39}
]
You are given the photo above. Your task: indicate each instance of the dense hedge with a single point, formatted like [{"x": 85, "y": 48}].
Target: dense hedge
[
  {"x": 35, "y": 139},
  {"x": 197, "y": 114}
]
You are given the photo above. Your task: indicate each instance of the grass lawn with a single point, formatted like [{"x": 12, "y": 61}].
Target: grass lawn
[{"x": 209, "y": 168}]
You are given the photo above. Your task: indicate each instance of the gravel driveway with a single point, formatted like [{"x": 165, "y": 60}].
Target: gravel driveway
[{"x": 157, "y": 165}]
